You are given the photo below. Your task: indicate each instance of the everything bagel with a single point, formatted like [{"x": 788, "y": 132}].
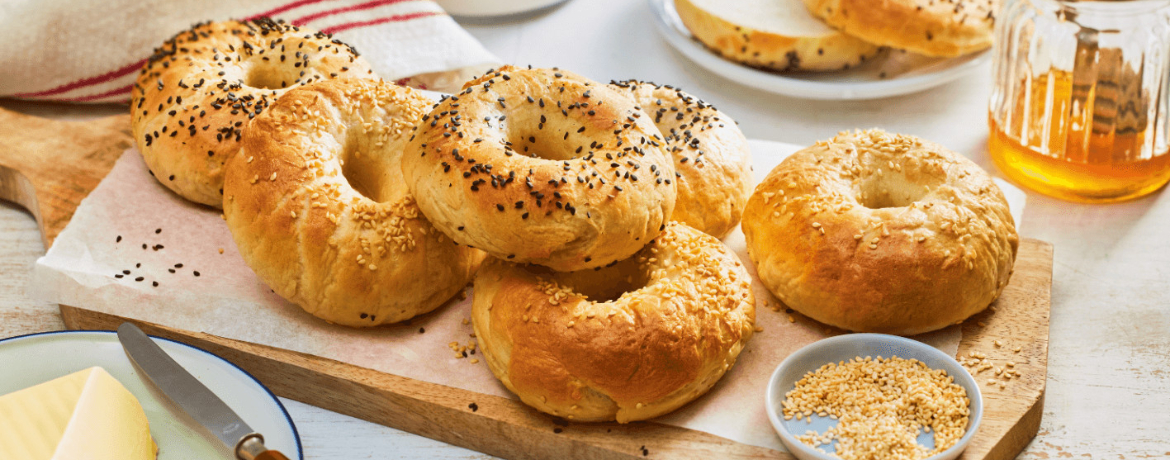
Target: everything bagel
[
  {"x": 542, "y": 166},
  {"x": 196, "y": 94},
  {"x": 712, "y": 162}
]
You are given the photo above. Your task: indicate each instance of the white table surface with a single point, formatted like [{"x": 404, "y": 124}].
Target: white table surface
[{"x": 1109, "y": 361}]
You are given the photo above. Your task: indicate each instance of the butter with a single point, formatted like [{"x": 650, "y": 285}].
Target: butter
[{"x": 87, "y": 415}]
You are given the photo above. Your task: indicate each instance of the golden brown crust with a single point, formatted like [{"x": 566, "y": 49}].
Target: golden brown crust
[
  {"x": 627, "y": 342},
  {"x": 881, "y": 232},
  {"x": 317, "y": 205},
  {"x": 196, "y": 94},
  {"x": 712, "y": 162},
  {"x": 825, "y": 51},
  {"x": 542, "y": 166},
  {"x": 933, "y": 28}
]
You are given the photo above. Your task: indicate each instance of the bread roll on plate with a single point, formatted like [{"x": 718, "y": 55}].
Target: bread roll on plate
[
  {"x": 935, "y": 28},
  {"x": 771, "y": 34}
]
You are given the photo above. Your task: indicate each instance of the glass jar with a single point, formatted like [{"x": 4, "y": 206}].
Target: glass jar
[{"x": 1080, "y": 105}]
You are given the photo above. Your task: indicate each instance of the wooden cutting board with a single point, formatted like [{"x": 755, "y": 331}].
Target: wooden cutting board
[{"x": 48, "y": 166}]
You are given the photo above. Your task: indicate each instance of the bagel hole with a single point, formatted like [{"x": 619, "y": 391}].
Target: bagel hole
[
  {"x": 609, "y": 283},
  {"x": 891, "y": 190},
  {"x": 547, "y": 147},
  {"x": 557, "y": 139},
  {"x": 266, "y": 76},
  {"x": 363, "y": 179},
  {"x": 367, "y": 170}
]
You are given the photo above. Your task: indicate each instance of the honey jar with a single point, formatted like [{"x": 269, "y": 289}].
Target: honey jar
[{"x": 1079, "y": 110}]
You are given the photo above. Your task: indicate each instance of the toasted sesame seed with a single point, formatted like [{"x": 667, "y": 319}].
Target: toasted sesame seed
[{"x": 873, "y": 418}]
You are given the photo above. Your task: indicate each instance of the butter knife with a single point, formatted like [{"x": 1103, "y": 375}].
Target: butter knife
[{"x": 195, "y": 399}]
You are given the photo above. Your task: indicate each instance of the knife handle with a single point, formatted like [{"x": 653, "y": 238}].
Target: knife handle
[{"x": 271, "y": 455}]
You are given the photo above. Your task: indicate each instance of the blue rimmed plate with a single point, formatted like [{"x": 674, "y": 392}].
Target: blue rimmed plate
[{"x": 31, "y": 359}]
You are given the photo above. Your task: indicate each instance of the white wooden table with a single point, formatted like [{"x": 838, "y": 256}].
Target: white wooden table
[{"x": 1109, "y": 360}]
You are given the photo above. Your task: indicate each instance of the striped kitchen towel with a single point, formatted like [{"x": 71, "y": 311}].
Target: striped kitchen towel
[{"x": 91, "y": 50}]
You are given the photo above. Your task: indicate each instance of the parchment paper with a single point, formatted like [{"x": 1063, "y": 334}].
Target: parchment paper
[{"x": 134, "y": 227}]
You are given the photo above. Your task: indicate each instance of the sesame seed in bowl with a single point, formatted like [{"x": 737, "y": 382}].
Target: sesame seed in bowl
[{"x": 873, "y": 396}]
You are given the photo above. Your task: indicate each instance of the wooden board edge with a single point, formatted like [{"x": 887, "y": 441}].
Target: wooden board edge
[
  {"x": 55, "y": 163},
  {"x": 995, "y": 333},
  {"x": 16, "y": 188},
  {"x": 439, "y": 412},
  {"x": 59, "y": 162},
  {"x": 516, "y": 431}
]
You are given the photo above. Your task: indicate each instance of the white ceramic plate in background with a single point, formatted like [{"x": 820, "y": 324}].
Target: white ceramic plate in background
[
  {"x": 904, "y": 72},
  {"x": 494, "y": 8},
  {"x": 31, "y": 359},
  {"x": 843, "y": 348}
]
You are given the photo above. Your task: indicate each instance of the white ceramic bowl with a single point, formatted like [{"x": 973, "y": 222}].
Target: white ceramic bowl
[{"x": 843, "y": 348}]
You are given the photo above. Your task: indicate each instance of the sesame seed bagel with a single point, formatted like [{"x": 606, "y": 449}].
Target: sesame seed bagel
[
  {"x": 316, "y": 203},
  {"x": 196, "y": 93},
  {"x": 879, "y": 232},
  {"x": 771, "y": 34},
  {"x": 628, "y": 342},
  {"x": 712, "y": 162},
  {"x": 542, "y": 166},
  {"x": 934, "y": 28}
]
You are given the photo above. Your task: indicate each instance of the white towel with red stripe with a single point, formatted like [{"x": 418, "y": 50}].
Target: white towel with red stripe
[{"x": 91, "y": 50}]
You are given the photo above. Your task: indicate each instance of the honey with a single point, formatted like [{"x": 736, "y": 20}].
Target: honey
[{"x": 1080, "y": 139}]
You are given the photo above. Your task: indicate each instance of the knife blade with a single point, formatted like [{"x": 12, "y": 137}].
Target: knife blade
[{"x": 193, "y": 397}]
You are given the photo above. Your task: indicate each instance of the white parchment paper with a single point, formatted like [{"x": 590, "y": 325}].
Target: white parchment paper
[{"x": 179, "y": 267}]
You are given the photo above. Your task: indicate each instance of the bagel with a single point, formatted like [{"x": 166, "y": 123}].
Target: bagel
[
  {"x": 879, "y": 232},
  {"x": 316, "y": 203},
  {"x": 712, "y": 162},
  {"x": 629, "y": 342},
  {"x": 197, "y": 92},
  {"x": 776, "y": 35},
  {"x": 936, "y": 28},
  {"x": 542, "y": 166}
]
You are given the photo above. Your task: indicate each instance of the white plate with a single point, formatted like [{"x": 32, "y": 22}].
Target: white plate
[
  {"x": 904, "y": 72},
  {"x": 31, "y": 359},
  {"x": 493, "y": 8}
]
